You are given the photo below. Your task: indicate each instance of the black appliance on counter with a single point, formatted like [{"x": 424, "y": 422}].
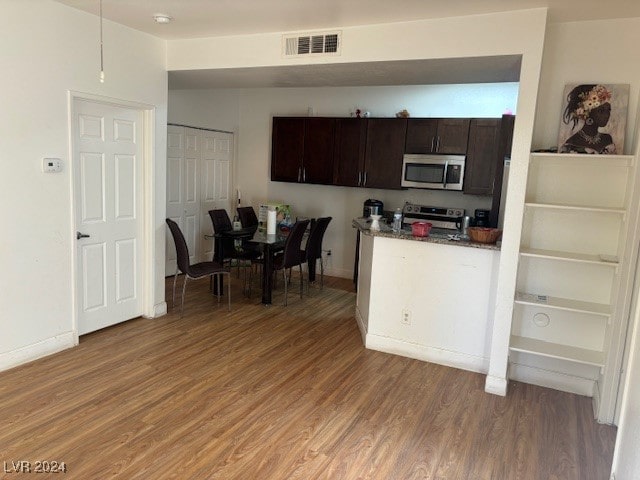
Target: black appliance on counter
[
  {"x": 372, "y": 207},
  {"x": 481, "y": 218}
]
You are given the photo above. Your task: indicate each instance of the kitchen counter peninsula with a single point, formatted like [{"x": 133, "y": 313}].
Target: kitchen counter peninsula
[
  {"x": 428, "y": 298},
  {"x": 363, "y": 225}
]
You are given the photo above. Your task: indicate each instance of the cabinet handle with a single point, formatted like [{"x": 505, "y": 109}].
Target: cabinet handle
[
  {"x": 299, "y": 173},
  {"x": 359, "y": 178},
  {"x": 364, "y": 182},
  {"x": 433, "y": 139},
  {"x": 304, "y": 174}
]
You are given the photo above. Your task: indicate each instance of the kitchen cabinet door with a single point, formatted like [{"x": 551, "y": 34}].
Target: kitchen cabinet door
[
  {"x": 507, "y": 123},
  {"x": 317, "y": 160},
  {"x": 287, "y": 149},
  {"x": 421, "y": 135},
  {"x": 482, "y": 152},
  {"x": 453, "y": 134},
  {"x": 437, "y": 135},
  {"x": 384, "y": 151},
  {"x": 350, "y": 145}
]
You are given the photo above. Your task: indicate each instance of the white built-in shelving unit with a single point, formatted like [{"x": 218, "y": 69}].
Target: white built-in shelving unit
[{"x": 574, "y": 232}]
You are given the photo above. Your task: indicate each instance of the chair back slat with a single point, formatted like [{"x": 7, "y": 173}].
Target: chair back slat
[
  {"x": 291, "y": 254},
  {"x": 220, "y": 220},
  {"x": 247, "y": 217},
  {"x": 313, "y": 248},
  {"x": 182, "y": 251}
]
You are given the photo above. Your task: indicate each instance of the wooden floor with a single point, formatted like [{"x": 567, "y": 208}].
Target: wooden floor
[{"x": 280, "y": 393}]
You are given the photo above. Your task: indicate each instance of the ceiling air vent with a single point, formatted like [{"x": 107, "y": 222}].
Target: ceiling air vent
[{"x": 311, "y": 44}]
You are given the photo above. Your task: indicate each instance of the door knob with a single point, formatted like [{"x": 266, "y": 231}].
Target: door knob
[{"x": 80, "y": 235}]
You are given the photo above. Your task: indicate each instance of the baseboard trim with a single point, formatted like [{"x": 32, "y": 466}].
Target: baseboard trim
[
  {"x": 550, "y": 379},
  {"x": 596, "y": 400},
  {"x": 38, "y": 350},
  {"x": 440, "y": 356},
  {"x": 496, "y": 385},
  {"x": 361, "y": 326},
  {"x": 159, "y": 309},
  {"x": 337, "y": 272}
]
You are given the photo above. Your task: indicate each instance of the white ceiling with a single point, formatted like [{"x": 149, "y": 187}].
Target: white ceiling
[{"x": 207, "y": 18}]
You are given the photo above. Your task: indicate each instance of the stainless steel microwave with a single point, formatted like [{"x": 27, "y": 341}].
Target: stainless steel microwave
[{"x": 439, "y": 172}]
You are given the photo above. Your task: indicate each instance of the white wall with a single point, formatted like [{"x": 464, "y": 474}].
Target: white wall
[
  {"x": 205, "y": 109},
  {"x": 601, "y": 51},
  {"x": 256, "y": 107},
  {"x": 626, "y": 457},
  {"x": 47, "y": 49}
]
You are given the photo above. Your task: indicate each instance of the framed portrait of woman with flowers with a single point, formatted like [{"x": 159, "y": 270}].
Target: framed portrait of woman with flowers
[{"x": 594, "y": 118}]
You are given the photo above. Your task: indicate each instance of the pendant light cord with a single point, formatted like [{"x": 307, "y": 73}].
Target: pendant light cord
[{"x": 101, "y": 48}]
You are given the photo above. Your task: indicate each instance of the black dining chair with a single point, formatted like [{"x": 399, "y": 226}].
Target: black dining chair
[
  {"x": 195, "y": 271},
  {"x": 291, "y": 256},
  {"x": 313, "y": 249},
  {"x": 232, "y": 245},
  {"x": 247, "y": 217}
]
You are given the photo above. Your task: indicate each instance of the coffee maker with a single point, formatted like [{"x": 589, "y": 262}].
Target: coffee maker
[
  {"x": 372, "y": 207},
  {"x": 481, "y": 218}
]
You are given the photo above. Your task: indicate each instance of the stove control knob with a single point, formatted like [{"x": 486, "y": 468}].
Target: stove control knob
[{"x": 409, "y": 208}]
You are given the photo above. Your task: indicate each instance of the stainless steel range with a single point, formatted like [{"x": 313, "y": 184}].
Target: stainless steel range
[{"x": 439, "y": 217}]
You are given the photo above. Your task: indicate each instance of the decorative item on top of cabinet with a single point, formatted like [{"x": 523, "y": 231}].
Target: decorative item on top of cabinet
[
  {"x": 437, "y": 135},
  {"x": 302, "y": 149},
  {"x": 480, "y": 167}
]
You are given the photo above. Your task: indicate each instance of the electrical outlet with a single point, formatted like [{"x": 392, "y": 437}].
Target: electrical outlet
[{"x": 406, "y": 317}]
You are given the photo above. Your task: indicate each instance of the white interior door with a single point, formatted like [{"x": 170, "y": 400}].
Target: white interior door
[
  {"x": 183, "y": 190},
  {"x": 217, "y": 156},
  {"x": 198, "y": 180},
  {"x": 107, "y": 159}
]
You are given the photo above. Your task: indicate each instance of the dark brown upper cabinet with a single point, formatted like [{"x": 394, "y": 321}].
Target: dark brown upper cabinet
[
  {"x": 287, "y": 148},
  {"x": 437, "y": 135},
  {"x": 384, "y": 151},
  {"x": 302, "y": 149},
  {"x": 482, "y": 156},
  {"x": 350, "y": 144},
  {"x": 317, "y": 161},
  {"x": 504, "y": 152}
]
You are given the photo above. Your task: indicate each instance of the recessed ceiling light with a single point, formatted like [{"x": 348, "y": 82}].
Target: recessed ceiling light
[{"x": 162, "y": 18}]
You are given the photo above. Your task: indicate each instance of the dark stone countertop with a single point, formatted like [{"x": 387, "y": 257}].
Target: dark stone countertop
[{"x": 438, "y": 236}]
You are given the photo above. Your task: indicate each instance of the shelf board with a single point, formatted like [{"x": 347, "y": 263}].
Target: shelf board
[
  {"x": 566, "y": 304},
  {"x": 566, "y": 256},
  {"x": 621, "y": 160},
  {"x": 556, "y": 350},
  {"x": 576, "y": 208}
]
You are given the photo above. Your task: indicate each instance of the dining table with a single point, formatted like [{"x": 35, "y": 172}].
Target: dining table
[{"x": 270, "y": 245}]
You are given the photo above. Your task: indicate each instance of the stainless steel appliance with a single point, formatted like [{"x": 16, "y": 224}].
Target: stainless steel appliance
[
  {"x": 372, "y": 207},
  {"x": 438, "y": 172},
  {"x": 439, "y": 217}
]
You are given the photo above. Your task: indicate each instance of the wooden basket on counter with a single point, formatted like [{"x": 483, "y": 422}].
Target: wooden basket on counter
[{"x": 484, "y": 234}]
